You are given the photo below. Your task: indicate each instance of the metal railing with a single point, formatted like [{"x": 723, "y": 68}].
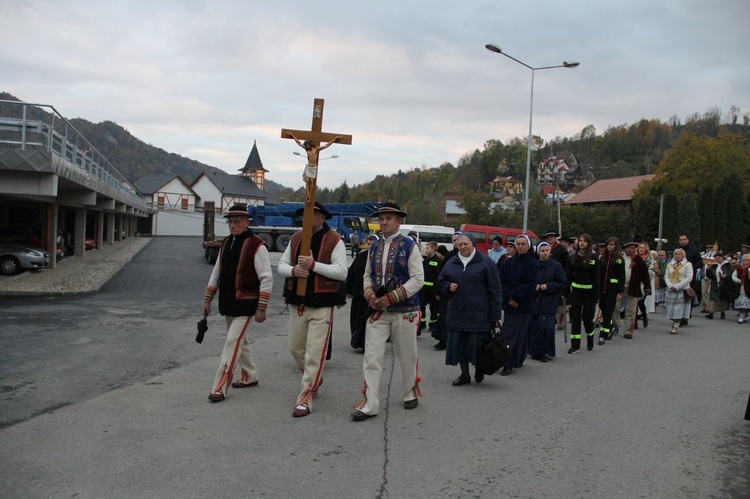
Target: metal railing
[{"x": 31, "y": 127}]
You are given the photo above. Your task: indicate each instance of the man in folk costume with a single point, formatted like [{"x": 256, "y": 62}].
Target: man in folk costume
[
  {"x": 243, "y": 277},
  {"x": 311, "y": 315},
  {"x": 393, "y": 278}
]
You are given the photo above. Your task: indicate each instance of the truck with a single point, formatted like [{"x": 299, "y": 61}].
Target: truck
[{"x": 275, "y": 224}]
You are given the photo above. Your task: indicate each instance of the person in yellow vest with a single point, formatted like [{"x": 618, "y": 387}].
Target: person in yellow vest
[
  {"x": 311, "y": 315},
  {"x": 428, "y": 296}
]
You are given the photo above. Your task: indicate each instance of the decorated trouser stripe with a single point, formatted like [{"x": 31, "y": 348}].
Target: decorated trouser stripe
[
  {"x": 575, "y": 336},
  {"x": 236, "y": 351}
]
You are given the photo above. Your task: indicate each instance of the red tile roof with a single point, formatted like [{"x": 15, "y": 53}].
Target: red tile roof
[{"x": 610, "y": 191}]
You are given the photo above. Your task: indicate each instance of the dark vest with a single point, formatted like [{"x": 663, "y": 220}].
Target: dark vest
[
  {"x": 238, "y": 281},
  {"x": 321, "y": 291}
]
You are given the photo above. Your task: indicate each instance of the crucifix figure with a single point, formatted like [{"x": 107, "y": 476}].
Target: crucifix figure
[
  {"x": 311, "y": 169},
  {"x": 311, "y": 144}
]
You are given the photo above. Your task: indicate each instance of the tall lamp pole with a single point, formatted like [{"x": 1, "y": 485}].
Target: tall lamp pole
[{"x": 566, "y": 64}]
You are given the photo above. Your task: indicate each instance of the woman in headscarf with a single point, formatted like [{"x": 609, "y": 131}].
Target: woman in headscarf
[
  {"x": 550, "y": 283},
  {"x": 678, "y": 276},
  {"x": 583, "y": 276},
  {"x": 518, "y": 280},
  {"x": 742, "y": 303},
  {"x": 470, "y": 286},
  {"x": 720, "y": 275}
]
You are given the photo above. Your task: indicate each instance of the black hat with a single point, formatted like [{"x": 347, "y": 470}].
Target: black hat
[
  {"x": 511, "y": 243},
  {"x": 238, "y": 210},
  {"x": 389, "y": 208},
  {"x": 318, "y": 207},
  {"x": 719, "y": 253},
  {"x": 498, "y": 239},
  {"x": 567, "y": 239},
  {"x": 746, "y": 245},
  {"x": 630, "y": 243},
  {"x": 550, "y": 233},
  {"x": 710, "y": 246}
]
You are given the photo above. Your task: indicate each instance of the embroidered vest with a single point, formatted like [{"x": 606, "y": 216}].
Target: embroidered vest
[{"x": 396, "y": 271}]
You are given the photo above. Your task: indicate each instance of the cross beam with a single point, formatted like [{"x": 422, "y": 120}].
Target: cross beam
[{"x": 315, "y": 135}]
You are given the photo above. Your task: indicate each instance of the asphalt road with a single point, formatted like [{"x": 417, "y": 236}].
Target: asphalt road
[{"x": 105, "y": 396}]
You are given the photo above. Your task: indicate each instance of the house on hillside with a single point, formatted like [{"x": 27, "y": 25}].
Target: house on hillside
[
  {"x": 610, "y": 191},
  {"x": 502, "y": 186},
  {"x": 554, "y": 170},
  {"x": 450, "y": 210},
  {"x": 166, "y": 192},
  {"x": 580, "y": 176}
]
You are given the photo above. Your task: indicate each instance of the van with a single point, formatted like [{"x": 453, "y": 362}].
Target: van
[
  {"x": 426, "y": 233},
  {"x": 484, "y": 234}
]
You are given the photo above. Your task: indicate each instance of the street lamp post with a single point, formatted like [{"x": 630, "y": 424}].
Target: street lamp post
[
  {"x": 319, "y": 159},
  {"x": 566, "y": 64}
]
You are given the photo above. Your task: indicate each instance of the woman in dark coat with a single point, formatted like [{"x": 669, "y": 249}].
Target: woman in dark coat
[
  {"x": 470, "y": 287},
  {"x": 550, "y": 283},
  {"x": 359, "y": 309},
  {"x": 518, "y": 280}
]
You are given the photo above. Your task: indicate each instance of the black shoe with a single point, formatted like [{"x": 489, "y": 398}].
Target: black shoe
[
  {"x": 723, "y": 316},
  {"x": 612, "y": 333},
  {"x": 540, "y": 358},
  {"x": 478, "y": 377},
  {"x": 574, "y": 350},
  {"x": 461, "y": 380},
  {"x": 358, "y": 415},
  {"x": 628, "y": 336},
  {"x": 710, "y": 316},
  {"x": 506, "y": 371},
  {"x": 411, "y": 404},
  {"x": 440, "y": 345},
  {"x": 589, "y": 343},
  {"x": 601, "y": 341},
  {"x": 645, "y": 321},
  {"x": 683, "y": 322}
]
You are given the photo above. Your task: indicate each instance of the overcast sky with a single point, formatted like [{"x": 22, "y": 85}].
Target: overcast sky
[{"x": 410, "y": 80}]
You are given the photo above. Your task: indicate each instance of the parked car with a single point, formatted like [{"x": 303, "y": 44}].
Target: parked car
[
  {"x": 29, "y": 234},
  {"x": 15, "y": 257}
]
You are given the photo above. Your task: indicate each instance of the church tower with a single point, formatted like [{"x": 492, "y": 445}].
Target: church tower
[{"x": 254, "y": 170}]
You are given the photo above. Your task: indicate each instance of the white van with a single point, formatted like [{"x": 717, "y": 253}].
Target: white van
[{"x": 426, "y": 233}]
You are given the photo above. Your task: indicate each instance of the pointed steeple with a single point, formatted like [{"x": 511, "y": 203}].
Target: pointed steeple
[{"x": 254, "y": 168}]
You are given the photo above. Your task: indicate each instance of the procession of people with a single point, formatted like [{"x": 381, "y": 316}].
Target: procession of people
[{"x": 517, "y": 287}]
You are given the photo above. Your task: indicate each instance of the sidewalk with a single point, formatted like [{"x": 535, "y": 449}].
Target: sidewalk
[{"x": 74, "y": 274}]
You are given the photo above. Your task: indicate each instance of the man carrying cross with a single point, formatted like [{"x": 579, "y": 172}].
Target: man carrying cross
[{"x": 311, "y": 315}]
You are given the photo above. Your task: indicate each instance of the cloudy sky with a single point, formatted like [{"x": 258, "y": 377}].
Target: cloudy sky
[{"x": 410, "y": 80}]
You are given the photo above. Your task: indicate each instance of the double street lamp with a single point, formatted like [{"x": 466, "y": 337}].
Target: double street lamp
[{"x": 567, "y": 64}]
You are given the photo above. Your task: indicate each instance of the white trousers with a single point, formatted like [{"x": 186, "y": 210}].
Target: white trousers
[
  {"x": 309, "y": 335},
  {"x": 236, "y": 350},
  {"x": 402, "y": 328}
]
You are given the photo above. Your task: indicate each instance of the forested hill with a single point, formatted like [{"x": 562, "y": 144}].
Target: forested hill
[
  {"x": 130, "y": 155},
  {"x": 619, "y": 151}
]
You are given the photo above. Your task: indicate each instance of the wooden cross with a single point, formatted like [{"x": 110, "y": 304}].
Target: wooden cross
[{"x": 316, "y": 135}]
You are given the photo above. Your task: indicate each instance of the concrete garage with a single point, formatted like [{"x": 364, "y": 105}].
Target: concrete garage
[{"x": 56, "y": 191}]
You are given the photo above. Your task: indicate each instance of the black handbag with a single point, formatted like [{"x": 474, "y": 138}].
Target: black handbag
[
  {"x": 494, "y": 355},
  {"x": 202, "y": 328}
]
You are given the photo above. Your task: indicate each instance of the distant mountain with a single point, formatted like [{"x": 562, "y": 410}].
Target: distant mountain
[{"x": 130, "y": 155}]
